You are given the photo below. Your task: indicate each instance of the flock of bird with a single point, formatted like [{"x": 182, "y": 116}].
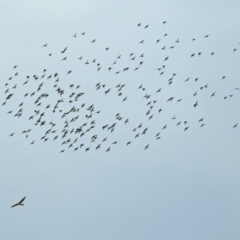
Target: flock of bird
[{"x": 57, "y": 108}]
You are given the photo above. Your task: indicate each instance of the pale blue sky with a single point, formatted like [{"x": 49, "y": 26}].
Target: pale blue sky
[{"x": 186, "y": 185}]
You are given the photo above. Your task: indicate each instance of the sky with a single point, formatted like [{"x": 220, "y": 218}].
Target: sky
[{"x": 185, "y": 185}]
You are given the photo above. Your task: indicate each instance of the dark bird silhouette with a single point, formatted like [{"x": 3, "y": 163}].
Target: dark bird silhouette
[
  {"x": 43, "y": 102},
  {"x": 64, "y": 50},
  {"x": 20, "y": 203},
  {"x": 164, "y": 127}
]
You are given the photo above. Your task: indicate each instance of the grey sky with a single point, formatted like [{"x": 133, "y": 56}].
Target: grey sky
[{"x": 186, "y": 185}]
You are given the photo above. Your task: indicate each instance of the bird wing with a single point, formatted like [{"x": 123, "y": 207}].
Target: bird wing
[
  {"x": 14, "y": 205},
  {"x": 21, "y": 201}
]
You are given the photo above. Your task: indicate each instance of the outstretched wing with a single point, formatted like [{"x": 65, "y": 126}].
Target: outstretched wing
[
  {"x": 21, "y": 201},
  {"x": 14, "y": 205}
]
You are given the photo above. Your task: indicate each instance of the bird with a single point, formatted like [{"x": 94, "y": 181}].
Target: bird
[
  {"x": 164, "y": 127},
  {"x": 76, "y": 109},
  {"x": 166, "y": 58},
  {"x": 178, "y": 123},
  {"x": 20, "y": 203}
]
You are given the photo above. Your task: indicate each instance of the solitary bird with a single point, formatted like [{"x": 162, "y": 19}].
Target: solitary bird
[{"x": 20, "y": 203}]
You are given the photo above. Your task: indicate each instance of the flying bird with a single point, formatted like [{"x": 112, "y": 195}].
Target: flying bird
[
  {"x": 20, "y": 203},
  {"x": 63, "y": 96}
]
